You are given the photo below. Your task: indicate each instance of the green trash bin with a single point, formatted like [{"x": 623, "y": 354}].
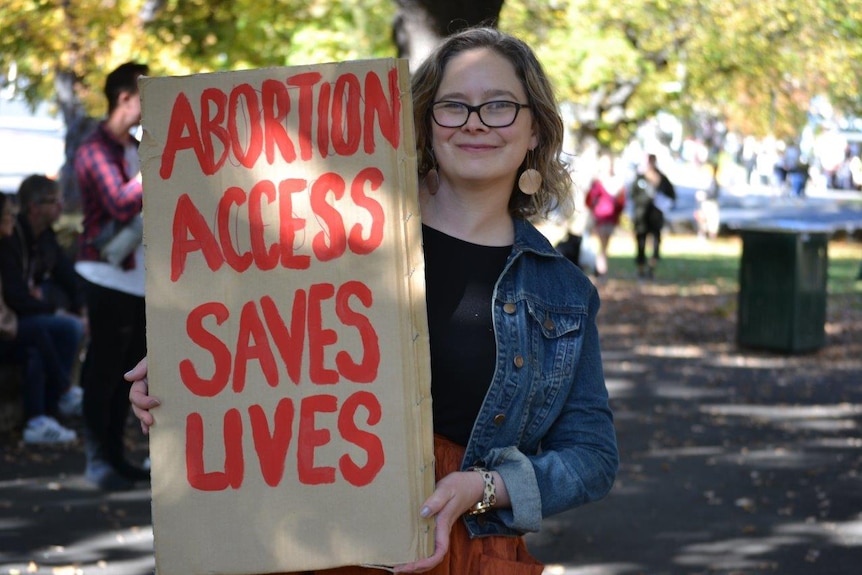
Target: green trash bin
[{"x": 782, "y": 289}]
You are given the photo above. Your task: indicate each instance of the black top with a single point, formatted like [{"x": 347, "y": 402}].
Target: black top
[
  {"x": 27, "y": 261},
  {"x": 460, "y": 279}
]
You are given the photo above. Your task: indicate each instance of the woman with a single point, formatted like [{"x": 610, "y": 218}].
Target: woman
[
  {"x": 521, "y": 418},
  {"x": 605, "y": 199},
  {"x": 37, "y": 344}
]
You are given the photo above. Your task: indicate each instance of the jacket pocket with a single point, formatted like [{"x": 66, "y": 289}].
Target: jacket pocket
[
  {"x": 554, "y": 322},
  {"x": 556, "y": 337}
]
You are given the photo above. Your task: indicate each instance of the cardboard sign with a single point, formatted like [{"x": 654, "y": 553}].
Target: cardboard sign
[{"x": 286, "y": 326}]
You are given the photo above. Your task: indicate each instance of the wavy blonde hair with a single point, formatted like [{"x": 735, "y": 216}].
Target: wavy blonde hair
[{"x": 555, "y": 192}]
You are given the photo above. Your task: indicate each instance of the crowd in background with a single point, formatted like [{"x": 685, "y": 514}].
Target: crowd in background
[{"x": 76, "y": 312}]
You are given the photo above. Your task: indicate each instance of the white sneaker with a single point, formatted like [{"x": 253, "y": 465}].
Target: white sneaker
[
  {"x": 46, "y": 430},
  {"x": 72, "y": 402}
]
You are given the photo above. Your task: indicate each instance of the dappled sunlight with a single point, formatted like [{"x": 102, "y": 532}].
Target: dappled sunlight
[
  {"x": 732, "y": 460},
  {"x": 619, "y": 329},
  {"x": 750, "y": 361},
  {"x": 835, "y": 442},
  {"x": 842, "y": 533},
  {"x": 601, "y": 569},
  {"x": 680, "y": 351},
  {"x": 776, "y": 458},
  {"x": 125, "y": 551},
  {"x": 619, "y": 387},
  {"x": 785, "y": 412},
  {"x": 737, "y": 553},
  {"x": 694, "y": 451},
  {"x": 625, "y": 367},
  {"x": 754, "y": 552},
  {"x": 682, "y": 391},
  {"x": 822, "y": 425}
]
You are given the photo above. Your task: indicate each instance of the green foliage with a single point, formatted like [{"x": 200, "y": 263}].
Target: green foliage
[
  {"x": 42, "y": 38},
  {"x": 756, "y": 64},
  {"x": 231, "y": 35},
  {"x": 88, "y": 38}
]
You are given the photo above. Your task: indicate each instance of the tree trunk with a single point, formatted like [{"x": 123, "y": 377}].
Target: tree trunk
[
  {"x": 78, "y": 125},
  {"x": 420, "y": 24}
]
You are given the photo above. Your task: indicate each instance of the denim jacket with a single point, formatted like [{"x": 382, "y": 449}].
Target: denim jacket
[{"x": 545, "y": 425}]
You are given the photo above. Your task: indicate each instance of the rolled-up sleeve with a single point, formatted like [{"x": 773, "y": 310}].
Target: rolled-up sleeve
[{"x": 577, "y": 459}]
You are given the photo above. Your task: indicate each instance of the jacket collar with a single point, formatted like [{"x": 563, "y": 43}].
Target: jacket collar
[{"x": 529, "y": 239}]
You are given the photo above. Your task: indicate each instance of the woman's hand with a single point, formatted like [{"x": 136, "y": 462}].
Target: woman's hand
[
  {"x": 139, "y": 395},
  {"x": 454, "y": 495}
]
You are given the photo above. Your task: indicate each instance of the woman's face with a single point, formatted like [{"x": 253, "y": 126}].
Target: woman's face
[
  {"x": 475, "y": 155},
  {"x": 7, "y": 219}
]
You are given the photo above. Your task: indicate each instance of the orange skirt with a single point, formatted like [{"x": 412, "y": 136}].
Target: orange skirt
[{"x": 480, "y": 556}]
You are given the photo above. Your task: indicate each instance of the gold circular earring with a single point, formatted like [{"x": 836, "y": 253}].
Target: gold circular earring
[{"x": 530, "y": 181}]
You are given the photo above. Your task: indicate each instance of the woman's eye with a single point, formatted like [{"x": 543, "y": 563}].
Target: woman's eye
[{"x": 499, "y": 106}]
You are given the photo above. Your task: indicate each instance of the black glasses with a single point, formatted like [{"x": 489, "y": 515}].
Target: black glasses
[{"x": 494, "y": 114}]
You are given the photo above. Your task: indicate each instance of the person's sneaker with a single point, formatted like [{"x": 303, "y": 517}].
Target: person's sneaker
[
  {"x": 72, "y": 402},
  {"x": 105, "y": 477},
  {"x": 44, "y": 430}
]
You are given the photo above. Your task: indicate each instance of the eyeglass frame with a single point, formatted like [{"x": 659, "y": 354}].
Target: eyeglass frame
[{"x": 478, "y": 109}]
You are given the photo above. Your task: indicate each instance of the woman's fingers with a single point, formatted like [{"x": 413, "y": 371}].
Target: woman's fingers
[
  {"x": 139, "y": 395},
  {"x": 441, "y": 548},
  {"x": 137, "y": 372},
  {"x": 453, "y": 495}
]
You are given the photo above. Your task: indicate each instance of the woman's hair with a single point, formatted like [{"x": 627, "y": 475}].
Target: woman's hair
[
  {"x": 556, "y": 182},
  {"x": 36, "y": 188}
]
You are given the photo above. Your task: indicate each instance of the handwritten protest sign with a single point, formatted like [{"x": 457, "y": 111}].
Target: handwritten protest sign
[{"x": 286, "y": 326}]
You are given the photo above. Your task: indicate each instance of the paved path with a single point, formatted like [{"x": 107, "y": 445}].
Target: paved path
[
  {"x": 746, "y": 467},
  {"x": 54, "y": 522},
  {"x": 733, "y": 463}
]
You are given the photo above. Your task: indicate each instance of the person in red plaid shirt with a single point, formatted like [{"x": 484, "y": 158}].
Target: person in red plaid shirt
[{"x": 108, "y": 173}]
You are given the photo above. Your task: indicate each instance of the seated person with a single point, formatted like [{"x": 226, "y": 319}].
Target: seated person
[
  {"x": 39, "y": 279},
  {"x": 32, "y": 343}
]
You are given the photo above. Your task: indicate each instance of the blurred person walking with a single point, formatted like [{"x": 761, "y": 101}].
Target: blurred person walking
[
  {"x": 606, "y": 200},
  {"x": 707, "y": 216},
  {"x": 650, "y": 191},
  {"x": 795, "y": 169}
]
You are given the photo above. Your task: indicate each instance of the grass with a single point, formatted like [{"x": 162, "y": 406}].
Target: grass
[{"x": 690, "y": 262}]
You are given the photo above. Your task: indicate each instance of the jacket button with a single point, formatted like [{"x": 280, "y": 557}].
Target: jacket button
[
  {"x": 509, "y": 308},
  {"x": 519, "y": 361},
  {"x": 499, "y": 419},
  {"x": 549, "y": 324}
]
